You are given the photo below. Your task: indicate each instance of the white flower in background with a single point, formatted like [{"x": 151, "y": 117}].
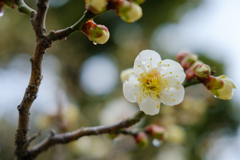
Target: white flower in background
[{"x": 154, "y": 82}]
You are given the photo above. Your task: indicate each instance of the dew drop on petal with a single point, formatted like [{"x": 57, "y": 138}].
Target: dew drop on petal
[
  {"x": 144, "y": 61},
  {"x": 94, "y": 43},
  {"x": 156, "y": 142}
]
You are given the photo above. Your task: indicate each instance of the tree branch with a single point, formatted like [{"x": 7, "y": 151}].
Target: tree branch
[
  {"x": 61, "y": 34},
  {"x": 22, "y": 7},
  {"x": 86, "y": 131},
  {"x": 42, "y": 43}
]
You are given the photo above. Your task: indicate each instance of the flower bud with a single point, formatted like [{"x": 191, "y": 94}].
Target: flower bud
[
  {"x": 129, "y": 12},
  {"x": 190, "y": 72},
  {"x": 155, "y": 131},
  {"x": 222, "y": 87},
  {"x": 141, "y": 139},
  {"x": 96, "y": 33},
  {"x": 125, "y": 74},
  {"x": 188, "y": 60},
  {"x": 180, "y": 56},
  {"x": 96, "y": 6},
  {"x": 203, "y": 71},
  {"x": 138, "y": 1},
  {"x": 10, "y": 3}
]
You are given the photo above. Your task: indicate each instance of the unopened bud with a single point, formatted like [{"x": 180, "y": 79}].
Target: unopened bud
[
  {"x": 188, "y": 60},
  {"x": 125, "y": 74},
  {"x": 10, "y": 3},
  {"x": 222, "y": 87},
  {"x": 141, "y": 139},
  {"x": 96, "y": 33},
  {"x": 203, "y": 71},
  {"x": 190, "y": 72},
  {"x": 96, "y": 6},
  {"x": 180, "y": 56},
  {"x": 129, "y": 12},
  {"x": 155, "y": 131},
  {"x": 139, "y": 1}
]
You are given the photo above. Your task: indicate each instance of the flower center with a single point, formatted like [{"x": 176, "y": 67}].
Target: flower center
[{"x": 150, "y": 83}]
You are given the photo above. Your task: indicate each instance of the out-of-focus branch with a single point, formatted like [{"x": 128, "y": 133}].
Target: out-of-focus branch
[
  {"x": 85, "y": 131},
  {"x": 42, "y": 43},
  {"x": 22, "y": 7},
  {"x": 61, "y": 34}
]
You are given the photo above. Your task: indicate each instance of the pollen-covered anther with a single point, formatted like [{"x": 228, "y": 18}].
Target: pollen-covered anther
[
  {"x": 177, "y": 82},
  {"x": 170, "y": 72},
  {"x": 173, "y": 99}
]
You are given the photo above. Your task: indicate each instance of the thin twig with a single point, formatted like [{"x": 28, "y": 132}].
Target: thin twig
[
  {"x": 22, "y": 7},
  {"x": 61, "y": 34},
  {"x": 87, "y": 131}
]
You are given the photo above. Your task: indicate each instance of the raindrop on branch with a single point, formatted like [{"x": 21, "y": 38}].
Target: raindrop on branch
[{"x": 156, "y": 142}]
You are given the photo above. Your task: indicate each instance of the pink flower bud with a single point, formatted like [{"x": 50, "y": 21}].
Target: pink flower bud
[
  {"x": 141, "y": 139},
  {"x": 188, "y": 60},
  {"x": 155, "y": 131},
  {"x": 190, "y": 72},
  {"x": 96, "y": 33},
  {"x": 180, "y": 56},
  {"x": 203, "y": 71}
]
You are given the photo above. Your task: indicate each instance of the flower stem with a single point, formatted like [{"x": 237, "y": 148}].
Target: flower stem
[
  {"x": 190, "y": 83},
  {"x": 61, "y": 34},
  {"x": 22, "y": 7}
]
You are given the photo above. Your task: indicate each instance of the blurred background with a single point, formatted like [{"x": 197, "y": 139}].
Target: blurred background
[{"x": 82, "y": 87}]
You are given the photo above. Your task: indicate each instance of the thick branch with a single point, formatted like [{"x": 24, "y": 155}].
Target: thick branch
[
  {"x": 22, "y": 7},
  {"x": 30, "y": 95},
  {"x": 72, "y": 136},
  {"x": 61, "y": 34}
]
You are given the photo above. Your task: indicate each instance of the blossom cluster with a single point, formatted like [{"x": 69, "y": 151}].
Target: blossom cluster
[
  {"x": 221, "y": 86},
  {"x": 128, "y": 10}
]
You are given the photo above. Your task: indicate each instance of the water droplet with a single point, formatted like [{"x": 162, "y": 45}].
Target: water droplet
[
  {"x": 117, "y": 140},
  {"x": 65, "y": 38},
  {"x": 215, "y": 96},
  {"x": 94, "y": 43},
  {"x": 156, "y": 142},
  {"x": 1, "y": 13},
  {"x": 144, "y": 61}
]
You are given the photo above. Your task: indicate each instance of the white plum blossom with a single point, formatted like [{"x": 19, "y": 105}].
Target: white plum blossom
[{"x": 154, "y": 81}]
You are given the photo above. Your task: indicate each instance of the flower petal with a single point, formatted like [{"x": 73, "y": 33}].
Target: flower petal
[
  {"x": 143, "y": 60},
  {"x": 148, "y": 105},
  {"x": 172, "y": 95},
  {"x": 169, "y": 67},
  {"x": 129, "y": 88}
]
